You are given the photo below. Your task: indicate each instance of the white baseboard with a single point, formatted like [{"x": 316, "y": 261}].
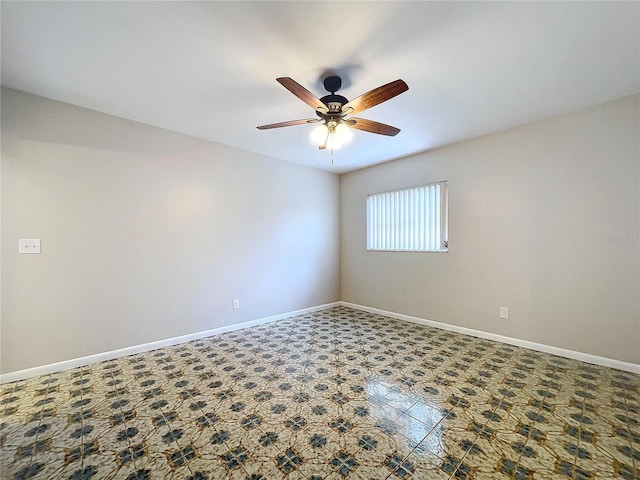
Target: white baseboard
[
  {"x": 145, "y": 347},
  {"x": 561, "y": 352},
  {"x": 122, "y": 352}
]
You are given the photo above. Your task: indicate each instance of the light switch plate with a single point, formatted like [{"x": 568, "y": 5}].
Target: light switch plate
[{"x": 29, "y": 245}]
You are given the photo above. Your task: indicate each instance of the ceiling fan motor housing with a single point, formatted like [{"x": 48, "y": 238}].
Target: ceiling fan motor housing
[{"x": 334, "y": 102}]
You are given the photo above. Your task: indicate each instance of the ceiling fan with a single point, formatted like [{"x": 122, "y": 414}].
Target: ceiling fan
[{"x": 332, "y": 110}]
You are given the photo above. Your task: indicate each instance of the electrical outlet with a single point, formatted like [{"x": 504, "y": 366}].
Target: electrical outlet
[
  {"x": 236, "y": 303},
  {"x": 504, "y": 312},
  {"x": 29, "y": 245}
]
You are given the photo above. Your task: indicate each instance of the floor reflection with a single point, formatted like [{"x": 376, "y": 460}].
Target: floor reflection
[{"x": 400, "y": 411}]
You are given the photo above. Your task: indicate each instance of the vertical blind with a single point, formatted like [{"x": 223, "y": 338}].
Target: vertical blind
[{"x": 413, "y": 219}]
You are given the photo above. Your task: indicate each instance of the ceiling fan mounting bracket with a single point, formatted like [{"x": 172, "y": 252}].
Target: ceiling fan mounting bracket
[{"x": 332, "y": 83}]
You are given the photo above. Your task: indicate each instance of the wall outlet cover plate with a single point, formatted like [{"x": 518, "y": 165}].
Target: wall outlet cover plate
[{"x": 29, "y": 245}]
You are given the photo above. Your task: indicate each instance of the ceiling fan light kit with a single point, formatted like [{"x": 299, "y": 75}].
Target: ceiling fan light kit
[
  {"x": 333, "y": 109},
  {"x": 331, "y": 135}
]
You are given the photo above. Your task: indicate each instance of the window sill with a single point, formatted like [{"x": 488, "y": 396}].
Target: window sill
[{"x": 410, "y": 251}]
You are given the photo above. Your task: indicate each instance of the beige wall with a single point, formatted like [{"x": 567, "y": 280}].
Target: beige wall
[
  {"x": 544, "y": 219},
  {"x": 148, "y": 234}
]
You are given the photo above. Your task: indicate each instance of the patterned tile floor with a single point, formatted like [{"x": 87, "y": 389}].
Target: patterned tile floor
[{"x": 328, "y": 395}]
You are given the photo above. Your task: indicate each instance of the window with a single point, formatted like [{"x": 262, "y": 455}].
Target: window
[{"x": 412, "y": 219}]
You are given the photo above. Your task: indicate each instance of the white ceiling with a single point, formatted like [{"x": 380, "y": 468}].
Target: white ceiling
[{"x": 208, "y": 69}]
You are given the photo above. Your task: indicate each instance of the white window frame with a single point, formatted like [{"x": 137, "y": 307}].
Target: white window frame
[{"x": 414, "y": 219}]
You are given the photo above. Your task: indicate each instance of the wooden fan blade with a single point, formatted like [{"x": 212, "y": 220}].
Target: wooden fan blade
[
  {"x": 290, "y": 123},
  {"x": 375, "y": 97},
  {"x": 373, "y": 127},
  {"x": 302, "y": 93}
]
